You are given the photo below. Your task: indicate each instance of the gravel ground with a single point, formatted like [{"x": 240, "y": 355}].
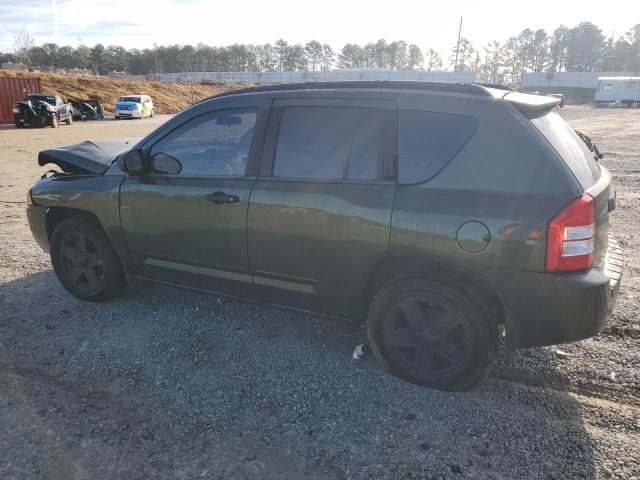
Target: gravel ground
[{"x": 166, "y": 383}]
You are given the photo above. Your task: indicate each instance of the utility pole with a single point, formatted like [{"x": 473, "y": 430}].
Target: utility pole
[
  {"x": 155, "y": 47},
  {"x": 455, "y": 65}
]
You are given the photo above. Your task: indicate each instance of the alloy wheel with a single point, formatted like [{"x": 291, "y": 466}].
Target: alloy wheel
[
  {"x": 428, "y": 339},
  {"x": 82, "y": 262}
]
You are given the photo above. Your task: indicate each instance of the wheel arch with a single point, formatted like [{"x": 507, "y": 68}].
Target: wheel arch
[
  {"x": 469, "y": 281},
  {"x": 56, "y": 215}
]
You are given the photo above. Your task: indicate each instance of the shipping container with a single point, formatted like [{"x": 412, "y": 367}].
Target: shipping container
[
  {"x": 13, "y": 90},
  {"x": 618, "y": 90}
]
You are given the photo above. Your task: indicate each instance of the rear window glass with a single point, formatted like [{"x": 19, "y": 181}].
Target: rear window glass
[
  {"x": 570, "y": 147},
  {"x": 427, "y": 141},
  {"x": 331, "y": 143}
]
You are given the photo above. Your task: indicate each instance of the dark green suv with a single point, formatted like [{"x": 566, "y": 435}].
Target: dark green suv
[{"x": 439, "y": 215}]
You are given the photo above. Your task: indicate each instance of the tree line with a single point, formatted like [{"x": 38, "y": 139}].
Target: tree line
[{"x": 579, "y": 48}]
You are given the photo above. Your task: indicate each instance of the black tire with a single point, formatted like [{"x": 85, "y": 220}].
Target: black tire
[
  {"x": 54, "y": 122},
  {"x": 18, "y": 124},
  {"x": 85, "y": 262},
  {"x": 436, "y": 325},
  {"x": 69, "y": 120}
]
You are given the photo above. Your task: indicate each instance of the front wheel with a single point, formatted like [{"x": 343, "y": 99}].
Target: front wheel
[
  {"x": 85, "y": 262},
  {"x": 69, "y": 120},
  {"x": 430, "y": 333},
  {"x": 54, "y": 121}
]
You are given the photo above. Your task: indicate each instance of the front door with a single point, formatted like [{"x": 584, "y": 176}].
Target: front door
[
  {"x": 190, "y": 227},
  {"x": 320, "y": 212}
]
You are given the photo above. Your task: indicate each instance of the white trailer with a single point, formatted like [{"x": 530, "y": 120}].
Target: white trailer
[{"x": 618, "y": 91}]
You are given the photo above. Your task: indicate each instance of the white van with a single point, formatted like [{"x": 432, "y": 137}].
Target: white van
[{"x": 134, "y": 106}]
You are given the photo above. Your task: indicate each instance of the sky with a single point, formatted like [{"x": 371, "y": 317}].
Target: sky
[{"x": 428, "y": 24}]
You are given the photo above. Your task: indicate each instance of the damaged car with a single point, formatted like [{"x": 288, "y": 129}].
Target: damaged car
[
  {"x": 42, "y": 110},
  {"x": 443, "y": 218},
  {"x": 88, "y": 109}
]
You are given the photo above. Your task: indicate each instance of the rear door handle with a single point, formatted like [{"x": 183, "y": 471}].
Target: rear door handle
[{"x": 220, "y": 198}]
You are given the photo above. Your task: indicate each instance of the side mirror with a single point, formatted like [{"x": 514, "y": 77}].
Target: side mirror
[
  {"x": 163, "y": 163},
  {"x": 133, "y": 162}
]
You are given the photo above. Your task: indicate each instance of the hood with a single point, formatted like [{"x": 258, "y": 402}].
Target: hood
[
  {"x": 86, "y": 157},
  {"x": 33, "y": 104},
  {"x": 128, "y": 104}
]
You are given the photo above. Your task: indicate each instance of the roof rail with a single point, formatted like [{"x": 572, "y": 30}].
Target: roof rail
[{"x": 468, "y": 88}]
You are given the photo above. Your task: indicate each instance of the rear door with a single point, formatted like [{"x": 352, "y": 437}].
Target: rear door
[
  {"x": 190, "y": 227},
  {"x": 146, "y": 106},
  {"x": 320, "y": 212}
]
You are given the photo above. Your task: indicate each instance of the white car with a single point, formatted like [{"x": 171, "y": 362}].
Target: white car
[{"x": 134, "y": 106}]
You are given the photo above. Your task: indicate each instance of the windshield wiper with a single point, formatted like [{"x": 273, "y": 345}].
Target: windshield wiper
[{"x": 590, "y": 144}]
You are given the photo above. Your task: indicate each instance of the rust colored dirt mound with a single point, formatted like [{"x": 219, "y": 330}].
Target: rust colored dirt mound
[{"x": 167, "y": 97}]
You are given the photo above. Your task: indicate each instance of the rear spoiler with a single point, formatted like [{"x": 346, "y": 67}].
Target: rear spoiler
[{"x": 529, "y": 105}]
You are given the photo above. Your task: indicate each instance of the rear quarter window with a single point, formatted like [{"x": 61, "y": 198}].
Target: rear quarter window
[
  {"x": 427, "y": 141},
  {"x": 570, "y": 147}
]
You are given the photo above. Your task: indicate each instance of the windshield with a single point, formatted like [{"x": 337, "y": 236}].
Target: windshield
[
  {"x": 130, "y": 99},
  {"x": 570, "y": 147},
  {"x": 51, "y": 100}
]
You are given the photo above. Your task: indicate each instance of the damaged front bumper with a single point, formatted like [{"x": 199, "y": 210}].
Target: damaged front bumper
[{"x": 37, "y": 216}]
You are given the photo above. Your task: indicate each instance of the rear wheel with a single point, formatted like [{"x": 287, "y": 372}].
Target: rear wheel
[
  {"x": 69, "y": 120},
  {"x": 85, "y": 262},
  {"x": 54, "y": 121},
  {"x": 430, "y": 333}
]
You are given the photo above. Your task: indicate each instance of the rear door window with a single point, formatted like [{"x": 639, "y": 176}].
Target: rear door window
[
  {"x": 427, "y": 141},
  {"x": 570, "y": 147},
  {"x": 331, "y": 143}
]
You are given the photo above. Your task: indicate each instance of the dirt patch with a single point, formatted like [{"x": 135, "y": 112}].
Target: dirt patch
[{"x": 167, "y": 97}]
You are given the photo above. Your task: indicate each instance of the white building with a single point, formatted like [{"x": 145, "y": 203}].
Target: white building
[
  {"x": 21, "y": 67},
  {"x": 566, "y": 79},
  {"x": 618, "y": 90},
  {"x": 319, "y": 76}
]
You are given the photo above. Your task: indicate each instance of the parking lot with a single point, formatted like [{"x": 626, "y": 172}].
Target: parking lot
[{"x": 167, "y": 383}]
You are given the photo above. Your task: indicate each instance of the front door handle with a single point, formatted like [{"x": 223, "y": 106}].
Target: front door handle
[{"x": 220, "y": 198}]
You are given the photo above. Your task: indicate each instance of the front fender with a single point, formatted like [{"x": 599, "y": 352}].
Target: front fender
[{"x": 98, "y": 195}]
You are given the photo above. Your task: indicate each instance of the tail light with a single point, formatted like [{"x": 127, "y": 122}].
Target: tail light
[{"x": 571, "y": 237}]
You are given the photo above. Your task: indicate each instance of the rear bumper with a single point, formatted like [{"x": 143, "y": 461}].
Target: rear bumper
[
  {"x": 547, "y": 309},
  {"x": 38, "y": 224}
]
